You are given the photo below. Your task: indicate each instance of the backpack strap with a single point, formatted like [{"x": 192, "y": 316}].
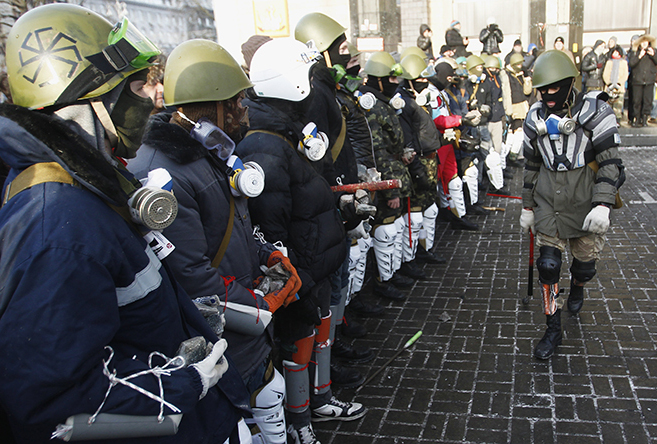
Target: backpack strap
[{"x": 36, "y": 174}]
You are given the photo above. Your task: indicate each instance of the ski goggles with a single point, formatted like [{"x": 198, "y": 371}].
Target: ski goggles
[
  {"x": 128, "y": 46},
  {"x": 396, "y": 70}
]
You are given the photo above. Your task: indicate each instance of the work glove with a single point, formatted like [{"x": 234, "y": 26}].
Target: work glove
[
  {"x": 361, "y": 231},
  {"x": 288, "y": 294},
  {"x": 527, "y": 220},
  {"x": 449, "y": 135},
  {"x": 213, "y": 367},
  {"x": 484, "y": 110},
  {"x": 307, "y": 309},
  {"x": 597, "y": 221},
  {"x": 472, "y": 118}
]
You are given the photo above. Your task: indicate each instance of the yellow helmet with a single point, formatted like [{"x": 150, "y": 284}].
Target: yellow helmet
[
  {"x": 413, "y": 67},
  {"x": 319, "y": 28},
  {"x": 380, "y": 64},
  {"x": 60, "y": 53},
  {"x": 412, "y": 50},
  {"x": 202, "y": 71}
]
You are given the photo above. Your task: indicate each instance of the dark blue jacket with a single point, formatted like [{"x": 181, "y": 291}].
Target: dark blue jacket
[
  {"x": 76, "y": 278},
  {"x": 201, "y": 187},
  {"x": 297, "y": 206}
]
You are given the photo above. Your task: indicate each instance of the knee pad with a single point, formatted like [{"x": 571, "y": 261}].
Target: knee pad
[
  {"x": 268, "y": 421},
  {"x": 385, "y": 234},
  {"x": 549, "y": 265},
  {"x": 494, "y": 171},
  {"x": 456, "y": 195},
  {"x": 582, "y": 272}
]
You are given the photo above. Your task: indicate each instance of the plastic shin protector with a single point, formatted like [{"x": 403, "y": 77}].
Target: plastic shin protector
[
  {"x": 494, "y": 170},
  {"x": 358, "y": 277},
  {"x": 268, "y": 421},
  {"x": 456, "y": 194},
  {"x": 410, "y": 247},
  {"x": 322, "y": 357},
  {"x": 429, "y": 224},
  {"x": 549, "y": 270},
  {"x": 354, "y": 259},
  {"x": 471, "y": 179},
  {"x": 401, "y": 225},
  {"x": 297, "y": 384},
  {"x": 518, "y": 139},
  {"x": 443, "y": 200},
  {"x": 384, "y": 250}
]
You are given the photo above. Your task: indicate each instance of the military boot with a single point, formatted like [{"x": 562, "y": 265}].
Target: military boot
[
  {"x": 552, "y": 337},
  {"x": 575, "y": 298}
]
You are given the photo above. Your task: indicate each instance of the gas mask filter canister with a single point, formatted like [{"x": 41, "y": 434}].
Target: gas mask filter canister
[{"x": 154, "y": 205}]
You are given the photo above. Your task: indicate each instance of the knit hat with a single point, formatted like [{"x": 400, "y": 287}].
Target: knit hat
[
  {"x": 517, "y": 43},
  {"x": 559, "y": 39},
  {"x": 251, "y": 46},
  {"x": 445, "y": 48},
  {"x": 453, "y": 23}
]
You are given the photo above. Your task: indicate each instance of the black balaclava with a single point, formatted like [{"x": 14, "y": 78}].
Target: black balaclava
[
  {"x": 419, "y": 86},
  {"x": 334, "y": 52},
  {"x": 129, "y": 116},
  {"x": 439, "y": 80},
  {"x": 389, "y": 89},
  {"x": 353, "y": 70},
  {"x": 560, "y": 97}
]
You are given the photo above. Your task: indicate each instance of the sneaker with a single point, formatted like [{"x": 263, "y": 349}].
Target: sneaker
[
  {"x": 336, "y": 410},
  {"x": 351, "y": 328},
  {"x": 346, "y": 352},
  {"x": 409, "y": 269},
  {"x": 345, "y": 377},
  {"x": 388, "y": 291},
  {"x": 303, "y": 435},
  {"x": 362, "y": 308}
]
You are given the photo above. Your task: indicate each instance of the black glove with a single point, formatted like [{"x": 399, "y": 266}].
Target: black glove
[{"x": 307, "y": 309}]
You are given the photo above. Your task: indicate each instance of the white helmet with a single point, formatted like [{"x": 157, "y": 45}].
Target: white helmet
[{"x": 280, "y": 69}]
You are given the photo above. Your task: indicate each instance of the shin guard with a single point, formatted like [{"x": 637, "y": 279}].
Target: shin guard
[
  {"x": 471, "y": 179},
  {"x": 268, "y": 422},
  {"x": 383, "y": 243},
  {"x": 400, "y": 226},
  {"x": 494, "y": 170},
  {"x": 322, "y": 357},
  {"x": 429, "y": 225},
  {"x": 297, "y": 386},
  {"x": 457, "y": 201},
  {"x": 550, "y": 294},
  {"x": 516, "y": 148},
  {"x": 409, "y": 244}
]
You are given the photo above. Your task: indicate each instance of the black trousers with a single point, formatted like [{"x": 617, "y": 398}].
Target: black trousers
[{"x": 642, "y": 96}]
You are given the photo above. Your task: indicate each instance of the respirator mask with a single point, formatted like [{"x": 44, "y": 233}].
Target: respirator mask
[
  {"x": 314, "y": 143},
  {"x": 555, "y": 126},
  {"x": 397, "y": 103},
  {"x": 153, "y": 205}
]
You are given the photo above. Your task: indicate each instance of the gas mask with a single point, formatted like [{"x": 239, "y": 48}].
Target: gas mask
[
  {"x": 397, "y": 103},
  {"x": 477, "y": 78},
  {"x": 555, "y": 126},
  {"x": 365, "y": 101},
  {"x": 314, "y": 143},
  {"x": 247, "y": 179},
  {"x": 153, "y": 205}
]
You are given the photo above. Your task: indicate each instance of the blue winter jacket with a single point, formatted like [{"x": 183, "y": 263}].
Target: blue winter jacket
[
  {"x": 75, "y": 278},
  {"x": 201, "y": 186}
]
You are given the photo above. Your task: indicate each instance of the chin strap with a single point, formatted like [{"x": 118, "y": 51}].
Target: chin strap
[{"x": 106, "y": 121}]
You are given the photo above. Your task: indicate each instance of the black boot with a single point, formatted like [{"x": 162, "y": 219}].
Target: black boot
[
  {"x": 635, "y": 123},
  {"x": 552, "y": 337},
  {"x": 401, "y": 281},
  {"x": 644, "y": 120},
  {"x": 575, "y": 298},
  {"x": 426, "y": 257},
  {"x": 345, "y": 377},
  {"x": 476, "y": 210},
  {"x": 363, "y": 308},
  {"x": 351, "y": 328},
  {"x": 387, "y": 290},
  {"x": 461, "y": 223},
  {"x": 411, "y": 270},
  {"x": 344, "y": 351}
]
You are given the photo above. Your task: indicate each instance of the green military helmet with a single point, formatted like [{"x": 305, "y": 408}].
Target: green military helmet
[
  {"x": 412, "y": 50},
  {"x": 353, "y": 49},
  {"x": 492, "y": 62},
  {"x": 413, "y": 67},
  {"x": 379, "y": 64},
  {"x": 551, "y": 67},
  {"x": 49, "y": 47},
  {"x": 473, "y": 61},
  {"x": 202, "y": 71},
  {"x": 516, "y": 58},
  {"x": 319, "y": 28}
]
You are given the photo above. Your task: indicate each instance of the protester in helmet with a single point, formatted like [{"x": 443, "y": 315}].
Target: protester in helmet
[
  {"x": 516, "y": 93},
  {"x": 297, "y": 208},
  {"x": 567, "y": 197},
  {"x": 339, "y": 168},
  {"x": 72, "y": 251},
  {"x": 216, "y": 252}
]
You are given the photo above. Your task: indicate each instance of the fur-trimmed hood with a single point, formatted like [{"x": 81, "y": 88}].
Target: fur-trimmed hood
[
  {"x": 28, "y": 137},
  {"x": 643, "y": 38},
  {"x": 172, "y": 140}
]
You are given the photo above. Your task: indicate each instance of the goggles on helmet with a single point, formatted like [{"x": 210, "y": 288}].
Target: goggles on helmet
[{"x": 396, "y": 70}]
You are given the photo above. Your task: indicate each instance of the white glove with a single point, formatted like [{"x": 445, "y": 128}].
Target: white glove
[
  {"x": 213, "y": 367},
  {"x": 449, "y": 134},
  {"x": 527, "y": 220},
  {"x": 597, "y": 221},
  {"x": 472, "y": 118}
]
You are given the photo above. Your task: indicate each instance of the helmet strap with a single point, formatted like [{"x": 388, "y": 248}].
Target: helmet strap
[
  {"x": 327, "y": 59},
  {"x": 88, "y": 80},
  {"x": 105, "y": 120}
]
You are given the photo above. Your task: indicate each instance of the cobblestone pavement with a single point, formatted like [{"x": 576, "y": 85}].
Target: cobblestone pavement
[{"x": 472, "y": 377}]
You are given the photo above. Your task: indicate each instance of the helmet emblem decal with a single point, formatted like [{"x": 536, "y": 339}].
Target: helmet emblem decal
[{"x": 34, "y": 52}]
